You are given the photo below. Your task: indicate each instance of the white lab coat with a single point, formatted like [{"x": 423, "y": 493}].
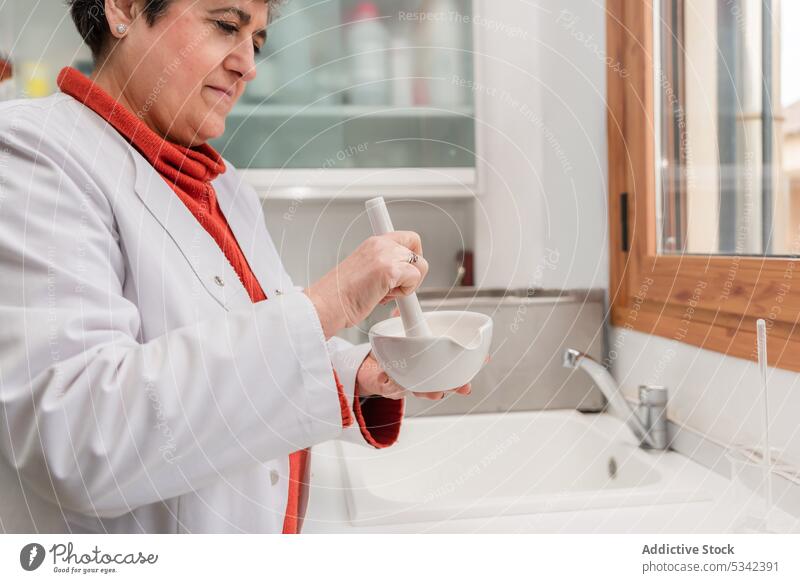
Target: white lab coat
[{"x": 140, "y": 388}]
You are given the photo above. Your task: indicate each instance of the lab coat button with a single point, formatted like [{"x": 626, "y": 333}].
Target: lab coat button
[
  {"x": 278, "y": 292},
  {"x": 273, "y": 477},
  {"x": 219, "y": 281}
]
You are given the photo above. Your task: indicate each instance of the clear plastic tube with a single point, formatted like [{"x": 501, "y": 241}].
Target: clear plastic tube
[{"x": 761, "y": 332}]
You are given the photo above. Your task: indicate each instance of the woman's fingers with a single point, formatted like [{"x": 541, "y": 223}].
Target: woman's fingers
[
  {"x": 391, "y": 390},
  {"x": 410, "y": 246},
  {"x": 405, "y": 264},
  {"x": 387, "y": 387},
  {"x": 407, "y": 239},
  {"x": 404, "y": 256},
  {"x": 438, "y": 395},
  {"x": 430, "y": 396},
  {"x": 407, "y": 279},
  {"x": 422, "y": 266}
]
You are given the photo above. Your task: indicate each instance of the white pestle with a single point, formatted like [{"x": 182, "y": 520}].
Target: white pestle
[{"x": 410, "y": 311}]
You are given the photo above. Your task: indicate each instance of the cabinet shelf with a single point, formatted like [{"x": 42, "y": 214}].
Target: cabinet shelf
[{"x": 360, "y": 184}]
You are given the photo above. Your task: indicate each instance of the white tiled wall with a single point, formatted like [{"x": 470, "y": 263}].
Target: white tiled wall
[
  {"x": 715, "y": 394},
  {"x": 312, "y": 237}
]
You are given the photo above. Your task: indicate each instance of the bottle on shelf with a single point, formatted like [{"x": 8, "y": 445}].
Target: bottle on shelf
[
  {"x": 292, "y": 35},
  {"x": 327, "y": 52},
  {"x": 443, "y": 64},
  {"x": 465, "y": 268},
  {"x": 367, "y": 41},
  {"x": 402, "y": 56},
  {"x": 7, "y": 90},
  {"x": 36, "y": 79},
  {"x": 7, "y": 85}
]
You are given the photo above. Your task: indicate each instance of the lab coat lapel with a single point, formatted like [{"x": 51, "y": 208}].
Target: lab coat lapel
[
  {"x": 198, "y": 247},
  {"x": 251, "y": 234}
]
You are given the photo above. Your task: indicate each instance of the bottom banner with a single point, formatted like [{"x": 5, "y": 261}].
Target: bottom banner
[{"x": 400, "y": 557}]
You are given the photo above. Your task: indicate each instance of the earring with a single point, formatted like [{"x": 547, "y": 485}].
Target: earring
[{"x": 122, "y": 28}]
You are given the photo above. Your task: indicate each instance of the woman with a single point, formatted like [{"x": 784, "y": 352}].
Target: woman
[{"x": 158, "y": 370}]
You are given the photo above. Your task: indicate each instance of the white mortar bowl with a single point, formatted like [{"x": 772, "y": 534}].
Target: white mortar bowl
[{"x": 447, "y": 360}]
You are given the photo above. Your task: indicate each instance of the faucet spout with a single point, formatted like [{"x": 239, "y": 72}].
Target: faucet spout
[{"x": 617, "y": 405}]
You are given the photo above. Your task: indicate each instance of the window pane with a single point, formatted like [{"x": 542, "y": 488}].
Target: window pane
[{"x": 728, "y": 110}]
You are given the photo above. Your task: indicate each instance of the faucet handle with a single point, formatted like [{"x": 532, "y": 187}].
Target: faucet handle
[
  {"x": 653, "y": 415},
  {"x": 653, "y": 395}
]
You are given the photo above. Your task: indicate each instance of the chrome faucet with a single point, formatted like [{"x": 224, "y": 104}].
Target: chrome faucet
[{"x": 649, "y": 422}]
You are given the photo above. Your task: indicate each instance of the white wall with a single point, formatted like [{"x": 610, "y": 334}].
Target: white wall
[
  {"x": 509, "y": 219},
  {"x": 575, "y": 157},
  {"x": 542, "y": 221},
  {"x": 313, "y": 236},
  {"x": 710, "y": 392}
]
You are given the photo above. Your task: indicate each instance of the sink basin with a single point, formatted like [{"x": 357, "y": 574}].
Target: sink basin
[{"x": 484, "y": 465}]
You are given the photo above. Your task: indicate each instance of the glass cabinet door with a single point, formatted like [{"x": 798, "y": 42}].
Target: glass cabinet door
[
  {"x": 359, "y": 84},
  {"x": 341, "y": 84}
]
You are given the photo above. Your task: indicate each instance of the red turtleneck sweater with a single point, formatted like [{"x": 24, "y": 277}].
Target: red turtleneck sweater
[{"x": 189, "y": 172}]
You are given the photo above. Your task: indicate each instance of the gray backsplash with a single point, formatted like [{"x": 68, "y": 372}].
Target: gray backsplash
[{"x": 529, "y": 338}]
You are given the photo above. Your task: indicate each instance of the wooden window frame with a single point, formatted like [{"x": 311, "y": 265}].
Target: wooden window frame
[{"x": 710, "y": 301}]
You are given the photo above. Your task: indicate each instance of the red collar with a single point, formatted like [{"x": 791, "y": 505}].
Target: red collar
[{"x": 188, "y": 168}]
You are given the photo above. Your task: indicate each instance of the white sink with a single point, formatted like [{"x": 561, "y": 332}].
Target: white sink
[{"x": 511, "y": 463}]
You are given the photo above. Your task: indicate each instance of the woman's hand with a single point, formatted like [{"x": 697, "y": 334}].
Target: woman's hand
[
  {"x": 371, "y": 379},
  {"x": 377, "y": 272}
]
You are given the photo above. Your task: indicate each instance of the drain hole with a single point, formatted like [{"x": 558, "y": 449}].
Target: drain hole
[{"x": 612, "y": 468}]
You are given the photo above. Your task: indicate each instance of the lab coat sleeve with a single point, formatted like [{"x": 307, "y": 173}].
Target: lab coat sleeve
[
  {"x": 378, "y": 419},
  {"x": 96, "y": 420}
]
